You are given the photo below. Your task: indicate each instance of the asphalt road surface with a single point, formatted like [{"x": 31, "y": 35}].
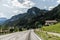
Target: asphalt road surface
[{"x": 25, "y": 35}]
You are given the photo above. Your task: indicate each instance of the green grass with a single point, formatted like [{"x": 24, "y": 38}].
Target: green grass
[
  {"x": 42, "y": 32},
  {"x": 45, "y": 36},
  {"x": 52, "y": 28}
]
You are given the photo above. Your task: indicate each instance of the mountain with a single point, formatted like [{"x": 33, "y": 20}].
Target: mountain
[
  {"x": 34, "y": 17},
  {"x": 54, "y": 13},
  {"x": 2, "y": 20},
  {"x": 29, "y": 18}
]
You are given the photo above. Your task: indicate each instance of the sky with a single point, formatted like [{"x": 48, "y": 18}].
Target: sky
[{"x": 9, "y": 8}]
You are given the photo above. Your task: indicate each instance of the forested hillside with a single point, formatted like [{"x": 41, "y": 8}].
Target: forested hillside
[{"x": 34, "y": 18}]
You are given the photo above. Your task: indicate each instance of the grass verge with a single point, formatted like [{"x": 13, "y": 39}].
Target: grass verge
[{"x": 46, "y": 36}]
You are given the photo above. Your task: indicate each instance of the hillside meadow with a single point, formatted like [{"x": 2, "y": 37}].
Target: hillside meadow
[{"x": 52, "y": 28}]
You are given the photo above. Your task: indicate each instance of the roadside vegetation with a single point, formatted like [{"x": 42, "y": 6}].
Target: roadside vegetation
[
  {"x": 52, "y": 28},
  {"x": 45, "y": 36},
  {"x": 42, "y": 32},
  {"x": 7, "y": 30}
]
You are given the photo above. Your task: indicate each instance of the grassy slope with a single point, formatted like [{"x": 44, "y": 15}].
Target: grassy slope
[
  {"x": 52, "y": 28},
  {"x": 46, "y": 36}
]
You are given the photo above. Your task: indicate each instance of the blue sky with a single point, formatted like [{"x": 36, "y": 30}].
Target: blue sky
[{"x": 9, "y": 8}]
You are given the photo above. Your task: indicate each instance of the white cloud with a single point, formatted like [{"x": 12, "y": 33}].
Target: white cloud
[
  {"x": 58, "y": 1},
  {"x": 51, "y": 7},
  {"x": 16, "y": 11},
  {"x": 25, "y": 4},
  {"x": 17, "y": 4},
  {"x": 14, "y": 7},
  {"x": 28, "y": 3},
  {"x": 20, "y": 11},
  {"x": 6, "y": 5},
  {"x": 45, "y": 7},
  {"x": 2, "y": 15}
]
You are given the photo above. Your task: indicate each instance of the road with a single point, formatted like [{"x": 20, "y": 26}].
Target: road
[{"x": 25, "y": 35}]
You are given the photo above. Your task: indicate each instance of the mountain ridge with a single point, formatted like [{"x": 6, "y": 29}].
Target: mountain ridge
[
  {"x": 33, "y": 17},
  {"x": 2, "y": 20}
]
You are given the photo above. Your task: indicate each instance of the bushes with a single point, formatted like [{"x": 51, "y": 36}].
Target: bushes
[{"x": 11, "y": 30}]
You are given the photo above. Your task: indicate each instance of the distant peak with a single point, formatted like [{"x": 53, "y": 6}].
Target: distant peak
[{"x": 3, "y": 18}]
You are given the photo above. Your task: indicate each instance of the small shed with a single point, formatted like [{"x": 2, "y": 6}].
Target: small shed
[{"x": 50, "y": 22}]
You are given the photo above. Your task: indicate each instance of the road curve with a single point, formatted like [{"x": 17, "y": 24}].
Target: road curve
[{"x": 25, "y": 35}]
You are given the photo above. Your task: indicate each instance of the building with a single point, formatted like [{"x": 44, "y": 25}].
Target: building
[{"x": 50, "y": 22}]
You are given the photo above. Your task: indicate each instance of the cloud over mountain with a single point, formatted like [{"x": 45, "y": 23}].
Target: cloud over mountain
[{"x": 9, "y": 7}]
